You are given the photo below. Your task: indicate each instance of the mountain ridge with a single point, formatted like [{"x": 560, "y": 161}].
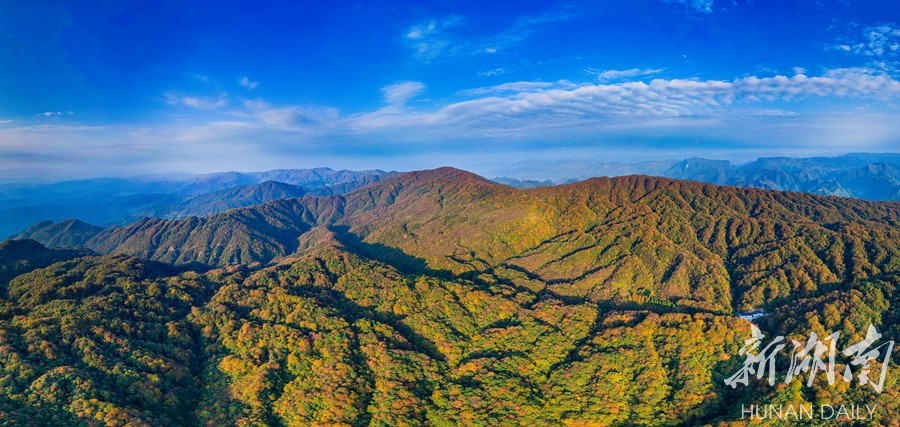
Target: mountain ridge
[
  {"x": 681, "y": 238},
  {"x": 125, "y": 200}
]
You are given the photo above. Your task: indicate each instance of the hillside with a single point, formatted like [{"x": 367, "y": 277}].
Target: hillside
[
  {"x": 22, "y": 256},
  {"x": 240, "y": 236},
  {"x": 328, "y": 337}
]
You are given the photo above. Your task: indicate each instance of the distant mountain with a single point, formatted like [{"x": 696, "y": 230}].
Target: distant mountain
[
  {"x": 308, "y": 178},
  {"x": 571, "y": 170},
  {"x": 860, "y": 175},
  {"x": 313, "y": 183},
  {"x": 318, "y": 177},
  {"x": 235, "y": 197},
  {"x": 126, "y": 200},
  {"x": 68, "y": 233},
  {"x": 717, "y": 172},
  {"x": 527, "y": 183}
]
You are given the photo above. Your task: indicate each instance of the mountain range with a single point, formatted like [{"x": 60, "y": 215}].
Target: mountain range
[
  {"x": 124, "y": 200},
  {"x": 860, "y": 175},
  {"x": 442, "y": 298}
]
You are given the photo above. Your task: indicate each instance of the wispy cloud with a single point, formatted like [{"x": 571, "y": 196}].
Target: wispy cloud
[
  {"x": 431, "y": 39},
  {"x": 758, "y": 112},
  {"x": 47, "y": 129},
  {"x": 494, "y": 72},
  {"x": 541, "y": 109},
  {"x": 55, "y": 113},
  {"x": 878, "y": 41},
  {"x": 199, "y": 102},
  {"x": 614, "y": 75},
  {"x": 398, "y": 94},
  {"x": 515, "y": 87},
  {"x": 704, "y": 6},
  {"x": 247, "y": 83},
  {"x": 199, "y": 77},
  {"x": 292, "y": 118},
  {"x": 441, "y": 39},
  {"x": 530, "y": 109},
  {"x": 880, "y": 44},
  {"x": 522, "y": 29}
]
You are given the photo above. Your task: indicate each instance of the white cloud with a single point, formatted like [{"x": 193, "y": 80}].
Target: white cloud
[
  {"x": 55, "y": 113},
  {"x": 879, "y": 40},
  {"x": 765, "y": 112},
  {"x": 532, "y": 109},
  {"x": 430, "y": 39},
  {"x": 438, "y": 39},
  {"x": 204, "y": 103},
  {"x": 613, "y": 75},
  {"x": 45, "y": 129},
  {"x": 494, "y": 72},
  {"x": 517, "y": 108},
  {"x": 199, "y": 102},
  {"x": 515, "y": 87},
  {"x": 290, "y": 118},
  {"x": 746, "y": 113},
  {"x": 245, "y": 82},
  {"x": 430, "y": 28},
  {"x": 398, "y": 94},
  {"x": 880, "y": 44}
]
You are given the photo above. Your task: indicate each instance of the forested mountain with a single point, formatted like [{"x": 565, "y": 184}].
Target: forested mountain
[
  {"x": 625, "y": 239},
  {"x": 440, "y": 298},
  {"x": 235, "y": 197},
  {"x": 66, "y": 234}
]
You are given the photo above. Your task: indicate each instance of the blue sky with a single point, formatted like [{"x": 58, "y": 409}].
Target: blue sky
[{"x": 125, "y": 87}]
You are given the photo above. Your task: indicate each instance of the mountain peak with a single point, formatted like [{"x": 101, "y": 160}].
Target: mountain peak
[
  {"x": 444, "y": 175},
  {"x": 66, "y": 233}
]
